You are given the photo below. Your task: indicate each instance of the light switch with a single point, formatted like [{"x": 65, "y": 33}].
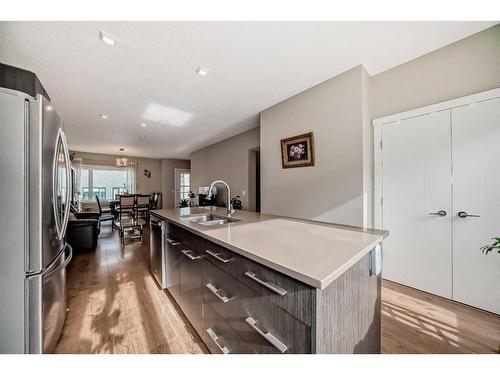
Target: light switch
[{"x": 244, "y": 192}]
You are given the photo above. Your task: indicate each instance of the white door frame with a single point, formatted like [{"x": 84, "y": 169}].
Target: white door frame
[{"x": 395, "y": 118}]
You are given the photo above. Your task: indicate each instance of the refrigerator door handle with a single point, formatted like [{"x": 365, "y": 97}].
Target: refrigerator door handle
[
  {"x": 55, "y": 186},
  {"x": 68, "y": 185},
  {"x": 64, "y": 264},
  {"x": 61, "y": 144}
]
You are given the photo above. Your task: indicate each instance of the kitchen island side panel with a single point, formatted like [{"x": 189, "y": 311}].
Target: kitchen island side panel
[{"x": 348, "y": 312}]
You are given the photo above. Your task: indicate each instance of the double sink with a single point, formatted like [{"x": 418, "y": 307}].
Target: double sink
[{"x": 209, "y": 219}]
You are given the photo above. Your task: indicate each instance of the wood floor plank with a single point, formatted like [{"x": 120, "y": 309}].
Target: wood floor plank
[{"x": 115, "y": 306}]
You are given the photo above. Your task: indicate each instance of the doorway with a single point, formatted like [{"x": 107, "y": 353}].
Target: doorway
[
  {"x": 182, "y": 185},
  {"x": 254, "y": 179}
]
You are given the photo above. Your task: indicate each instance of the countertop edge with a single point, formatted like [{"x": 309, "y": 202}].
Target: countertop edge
[{"x": 318, "y": 284}]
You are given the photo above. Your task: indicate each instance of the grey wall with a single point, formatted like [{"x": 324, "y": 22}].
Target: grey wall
[
  {"x": 463, "y": 68},
  {"x": 332, "y": 190},
  {"x": 144, "y": 184},
  {"x": 339, "y": 112},
  {"x": 227, "y": 160},
  {"x": 167, "y": 185}
]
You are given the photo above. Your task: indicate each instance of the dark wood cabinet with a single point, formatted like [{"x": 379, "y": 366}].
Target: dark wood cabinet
[
  {"x": 240, "y": 306},
  {"x": 191, "y": 285}
]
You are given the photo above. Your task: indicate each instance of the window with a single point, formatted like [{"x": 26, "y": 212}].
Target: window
[
  {"x": 105, "y": 181},
  {"x": 118, "y": 190},
  {"x": 185, "y": 184}
]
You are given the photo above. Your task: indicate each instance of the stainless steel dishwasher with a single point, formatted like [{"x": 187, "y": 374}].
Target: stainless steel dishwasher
[
  {"x": 164, "y": 255},
  {"x": 156, "y": 250}
]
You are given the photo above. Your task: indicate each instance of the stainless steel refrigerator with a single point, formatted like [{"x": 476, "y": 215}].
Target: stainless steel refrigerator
[{"x": 35, "y": 188}]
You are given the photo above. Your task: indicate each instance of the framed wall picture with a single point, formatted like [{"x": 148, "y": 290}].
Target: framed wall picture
[{"x": 298, "y": 151}]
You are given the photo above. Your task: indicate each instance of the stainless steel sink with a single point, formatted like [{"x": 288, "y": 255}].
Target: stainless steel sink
[
  {"x": 209, "y": 219},
  {"x": 220, "y": 221},
  {"x": 202, "y": 218}
]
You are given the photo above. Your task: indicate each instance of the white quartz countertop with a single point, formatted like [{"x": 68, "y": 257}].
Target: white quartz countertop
[{"x": 313, "y": 252}]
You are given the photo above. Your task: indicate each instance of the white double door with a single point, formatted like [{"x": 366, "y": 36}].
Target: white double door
[{"x": 441, "y": 202}]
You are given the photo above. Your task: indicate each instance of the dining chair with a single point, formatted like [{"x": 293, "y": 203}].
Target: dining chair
[
  {"x": 142, "y": 205},
  {"x": 127, "y": 206},
  {"x": 105, "y": 213}
]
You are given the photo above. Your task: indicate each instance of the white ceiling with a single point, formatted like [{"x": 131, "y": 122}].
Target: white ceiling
[{"x": 252, "y": 66}]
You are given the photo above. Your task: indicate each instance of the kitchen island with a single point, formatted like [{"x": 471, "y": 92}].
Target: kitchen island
[{"x": 268, "y": 284}]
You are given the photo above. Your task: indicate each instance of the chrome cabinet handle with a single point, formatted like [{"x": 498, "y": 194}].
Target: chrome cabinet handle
[
  {"x": 463, "y": 215},
  {"x": 267, "y": 284},
  {"x": 217, "y": 256},
  {"x": 267, "y": 335},
  {"x": 439, "y": 213},
  {"x": 216, "y": 291},
  {"x": 189, "y": 255},
  {"x": 172, "y": 242},
  {"x": 215, "y": 339},
  {"x": 155, "y": 223}
]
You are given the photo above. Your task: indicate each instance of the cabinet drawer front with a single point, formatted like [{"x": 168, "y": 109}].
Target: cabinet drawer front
[
  {"x": 289, "y": 294},
  {"x": 220, "y": 290},
  {"x": 265, "y": 326},
  {"x": 221, "y": 257},
  {"x": 184, "y": 236},
  {"x": 219, "y": 337}
]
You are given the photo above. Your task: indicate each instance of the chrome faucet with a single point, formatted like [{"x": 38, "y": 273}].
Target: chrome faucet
[{"x": 229, "y": 205}]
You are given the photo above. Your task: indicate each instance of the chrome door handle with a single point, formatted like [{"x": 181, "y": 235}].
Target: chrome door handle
[
  {"x": 172, "y": 242},
  {"x": 439, "y": 213},
  {"x": 189, "y": 255},
  {"x": 217, "y": 256},
  {"x": 463, "y": 215},
  {"x": 216, "y": 291},
  {"x": 267, "y": 284},
  {"x": 68, "y": 258},
  {"x": 215, "y": 339},
  {"x": 267, "y": 335},
  {"x": 155, "y": 223}
]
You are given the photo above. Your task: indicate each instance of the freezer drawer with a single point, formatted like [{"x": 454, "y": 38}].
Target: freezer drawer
[{"x": 47, "y": 303}]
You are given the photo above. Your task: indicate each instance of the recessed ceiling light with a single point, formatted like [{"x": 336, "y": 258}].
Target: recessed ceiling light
[
  {"x": 202, "y": 71},
  {"x": 104, "y": 116},
  {"x": 165, "y": 115},
  {"x": 107, "y": 38},
  {"x": 143, "y": 124}
]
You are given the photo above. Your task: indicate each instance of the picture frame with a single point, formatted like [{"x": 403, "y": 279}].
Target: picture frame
[{"x": 298, "y": 151}]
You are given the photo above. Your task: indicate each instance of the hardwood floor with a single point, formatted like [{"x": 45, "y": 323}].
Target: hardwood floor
[
  {"x": 115, "y": 306},
  {"x": 419, "y": 322}
]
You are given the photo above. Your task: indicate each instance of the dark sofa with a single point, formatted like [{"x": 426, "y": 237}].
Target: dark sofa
[{"x": 82, "y": 233}]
